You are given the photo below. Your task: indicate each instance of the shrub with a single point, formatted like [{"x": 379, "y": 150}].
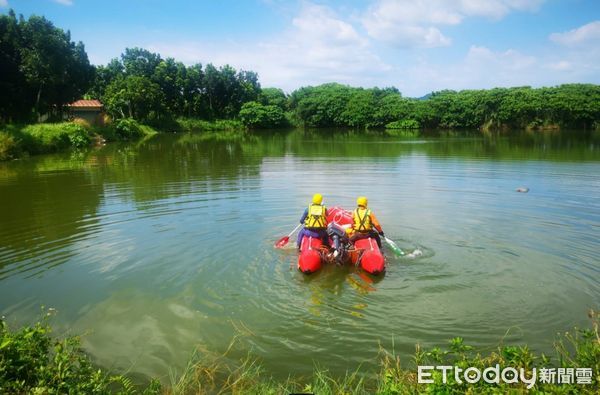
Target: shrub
[
  {"x": 128, "y": 128},
  {"x": 8, "y": 146},
  {"x": 50, "y": 137},
  {"x": 78, "y": 135},
  {"x": 197, "y": 125},
  {"x": 256, "y": 115},
  {"x": 403, "y": 124},
  {"x": 32, "y": 362}
]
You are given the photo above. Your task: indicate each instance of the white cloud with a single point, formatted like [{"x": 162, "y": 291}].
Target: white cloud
[
  {"x": 484, "y": 68},
  {"x": 584, "y": 35},
  {"x": 484, "y": 59},
  {"x": 64, "y": 2},
  {"x": 320, "y": 24},
  {"x": 562, "y": 65},
  {"x": 481, "y": 68},
  {"x": 3, "y": 3},
  {"x": 319, "y": 47},
  {"x": 416, "y": 23},
  {"x": 496, "y": 9}
]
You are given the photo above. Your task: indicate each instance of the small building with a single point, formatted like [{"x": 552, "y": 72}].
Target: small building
[{"x": 91, "y": 111}]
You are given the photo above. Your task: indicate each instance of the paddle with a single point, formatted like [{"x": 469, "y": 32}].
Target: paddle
[
  {"x": 285, "y": 239},
  {"x": 397, "y": 250}
]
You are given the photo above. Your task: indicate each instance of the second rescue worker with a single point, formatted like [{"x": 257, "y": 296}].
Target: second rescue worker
[
  {"x": 364, "y": 221},
  {"x": 314, "y": 219}
]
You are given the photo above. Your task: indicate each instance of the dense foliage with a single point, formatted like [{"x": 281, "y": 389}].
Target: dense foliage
[
  {"x": 31, "y": 361},
  {"x": 17, "y": 141},
  {"x": 335, "y": 105},
  {"x": 41, "y": 69},
  {"x": 144, "y": 86},
  {"x": 257, "y": 115}
]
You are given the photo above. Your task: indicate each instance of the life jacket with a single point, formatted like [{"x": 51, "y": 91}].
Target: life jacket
[
  {"x": 362, "y": 223},
  {"x": 316, "y": 217}
]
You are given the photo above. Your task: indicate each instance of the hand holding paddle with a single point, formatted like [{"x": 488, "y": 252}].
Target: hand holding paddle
[{"x": 285, "y": 239}]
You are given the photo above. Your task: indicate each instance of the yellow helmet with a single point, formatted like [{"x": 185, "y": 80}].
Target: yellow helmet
[
  {"x": 317, "y": 198},
  {"x": 361, "y": 201}
]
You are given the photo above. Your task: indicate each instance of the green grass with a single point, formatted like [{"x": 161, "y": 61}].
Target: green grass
[
  {"x": 22, "y": 140},
  {"x": 404, "y": 124},
  {"x": 198, "y": 125},
  {"x": 32, "y": 361},
  {"x": 124, "y": 129},
  {"x": 575, "y": 349},
  {"x": 51, "y": 137},
  {"x": 16, "y": 140}
]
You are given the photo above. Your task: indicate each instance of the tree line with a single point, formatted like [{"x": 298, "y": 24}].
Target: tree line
[
  {"x": 42, "y": 70},
  {"x": 144, "y": 86},
  {"x": 335, "y": 105}
]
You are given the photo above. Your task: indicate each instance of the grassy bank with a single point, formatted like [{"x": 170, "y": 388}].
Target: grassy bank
[
  {"x": 22, "y": 140},
  {"x": 192, "y": 125},
  {"x": 17, "y": 140},
  {"x": 32, "y": 361}
]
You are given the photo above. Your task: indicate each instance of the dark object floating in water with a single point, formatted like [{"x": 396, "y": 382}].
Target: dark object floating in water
[{"x": 522, "y": 189}]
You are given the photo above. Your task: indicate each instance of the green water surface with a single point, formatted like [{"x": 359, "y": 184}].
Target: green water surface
[{"x": 157, "y": 248}]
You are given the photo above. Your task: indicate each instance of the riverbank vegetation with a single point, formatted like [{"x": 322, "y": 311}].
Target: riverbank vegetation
[
  {"x": 32, "y": 361},
  {"x": 43, "y": 71},
  {"x": 574, "y": 106},
  {"x": 22, "y": 140}
]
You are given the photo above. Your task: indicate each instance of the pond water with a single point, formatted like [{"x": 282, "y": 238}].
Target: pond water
[{"x": 156, "y": 248}]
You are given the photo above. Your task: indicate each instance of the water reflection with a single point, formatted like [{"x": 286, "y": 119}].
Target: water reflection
[{"x": 159, "y": 246}]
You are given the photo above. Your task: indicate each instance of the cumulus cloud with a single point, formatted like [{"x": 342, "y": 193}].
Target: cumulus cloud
[
  {"x": 318, "y": 47},
  {"x": 586, "y": 34},
  {"x": 480, "y": 68},
  {"x": 561, "y": 65},
  {"x": 321, "y": 45},
  {"x": 485, "y": 68},
  {"x": 417, "y": 23},
  {"x": 508, "y": 61},
  {"x": 3, "y": 3}
]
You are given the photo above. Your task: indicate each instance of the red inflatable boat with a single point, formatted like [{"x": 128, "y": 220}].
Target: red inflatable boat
[
  {"x": 364, "y": 253},
  {"x": 311, "y": 255},
  {"x": 369, "y": 256}
]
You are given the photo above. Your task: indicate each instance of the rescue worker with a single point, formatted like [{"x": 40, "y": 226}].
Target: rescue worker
[
  {"x": 365, "y": 223},
  {"x": 314, "y": 219}
]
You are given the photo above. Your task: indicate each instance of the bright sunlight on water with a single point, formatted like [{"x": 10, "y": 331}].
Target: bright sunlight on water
[{"x": 157, "y": 248}]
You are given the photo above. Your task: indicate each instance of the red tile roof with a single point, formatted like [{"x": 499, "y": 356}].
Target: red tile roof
[{"x": 86, "y": 104}]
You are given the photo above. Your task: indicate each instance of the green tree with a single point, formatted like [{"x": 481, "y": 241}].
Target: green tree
[
  {"x": 256, "y": 115},
  {"x": 42, "y": 69},
  {"x": 358, "y": 112},
  {"x": 135, "y": 97},
  {"x": 140, "y": 62},
  {"x": 104, "y": 76},
  {"x": 170, "y": 76},
  {"x": 14, "y": 99},
  {"x": 274, "y": 97}
]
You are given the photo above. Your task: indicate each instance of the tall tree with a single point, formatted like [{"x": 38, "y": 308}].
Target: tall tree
[
  {"x": 136, "y": 97},
  {"x": 41, "y": 68},
  {"x": 140, "y": 62}
]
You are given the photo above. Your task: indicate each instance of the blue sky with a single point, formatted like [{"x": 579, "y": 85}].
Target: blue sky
[{"x": 416, "y": 45}]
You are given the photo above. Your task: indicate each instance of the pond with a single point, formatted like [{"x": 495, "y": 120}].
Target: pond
[{"x": 157, "y": 248}]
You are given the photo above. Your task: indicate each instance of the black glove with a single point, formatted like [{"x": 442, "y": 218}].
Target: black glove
[{"x": 381, "y": 234}]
